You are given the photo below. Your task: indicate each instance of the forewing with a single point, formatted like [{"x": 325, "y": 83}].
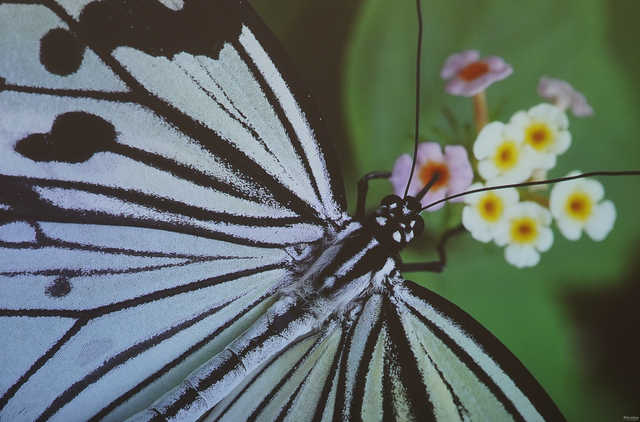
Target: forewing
[
  {"x": 154, "y": 166},
  {"x": 193, "y": 131}
]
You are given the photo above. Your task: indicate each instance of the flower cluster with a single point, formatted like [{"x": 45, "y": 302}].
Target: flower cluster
[{"x": 519, "y": 150}]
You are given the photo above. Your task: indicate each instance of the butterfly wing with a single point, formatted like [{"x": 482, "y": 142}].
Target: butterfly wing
[
  {"x": 156, "y": 170},
  {"x": 407, "y": 354}
]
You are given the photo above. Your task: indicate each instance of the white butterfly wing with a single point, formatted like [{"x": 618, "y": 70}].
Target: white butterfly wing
[
  {"x": 152, "y": 173},
  {"x": 408, "y": 355}
]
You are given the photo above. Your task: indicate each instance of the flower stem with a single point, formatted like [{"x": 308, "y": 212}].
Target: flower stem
[{"x": 480, "y": 110}]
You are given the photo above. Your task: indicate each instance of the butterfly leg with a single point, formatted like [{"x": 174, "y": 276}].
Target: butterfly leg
[
  {"x": 363, "y": 188},
  {"x": 434, "y": 266}
]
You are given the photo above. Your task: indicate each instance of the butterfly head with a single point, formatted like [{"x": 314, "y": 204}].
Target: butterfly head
[{"x": 397, "y": 221}]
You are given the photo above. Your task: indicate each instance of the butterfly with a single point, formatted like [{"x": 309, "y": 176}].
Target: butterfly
[{"x": 175, "y": 243}]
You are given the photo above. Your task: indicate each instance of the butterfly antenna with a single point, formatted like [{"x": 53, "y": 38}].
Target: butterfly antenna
[
  {"x": 539, "y": 182},
  {"x": 417, "y": 129},
  {"x": 426, "y": 187}
]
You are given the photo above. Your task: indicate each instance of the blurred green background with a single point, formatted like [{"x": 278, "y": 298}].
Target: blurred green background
[{"x": 574, "y": 319}]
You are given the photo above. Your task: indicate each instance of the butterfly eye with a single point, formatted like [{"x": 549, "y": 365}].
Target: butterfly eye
[{"x": 391, "y": 201}]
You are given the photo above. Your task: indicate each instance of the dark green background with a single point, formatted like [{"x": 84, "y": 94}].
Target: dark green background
[{"x": 573, "y": 319}]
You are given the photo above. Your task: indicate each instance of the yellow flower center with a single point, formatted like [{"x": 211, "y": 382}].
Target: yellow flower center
[
  {"x": 539, "y": 136},
  {"x": 524, "y": 230},
  {"x": 506, "y": 156},
  {"x": 490, "y": 207},
  {"x": 473, "y": 71},
  {"x": 579, "y": 206},
  {"x": 430, "y": 169}
]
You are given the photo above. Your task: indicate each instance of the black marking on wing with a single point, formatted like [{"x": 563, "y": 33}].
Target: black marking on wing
[
  {"x": 118, "y": 97},
  {"x": 26, "y": 204},
  {"x": 74, "y": 138},
  {"x": 59, "y": 287},
  {"x": 471, "y": 364},
  {"x": 61, "y": 53},
  {"x": 213, "y": 98},
  {"x": 516, "y": 371},
  {"x": 363, "y": 368},
  {"x": 388, "y": 409},
  {"x": 143, "y": 24},
  {"x": 42, "y": 241},
  {"x": 287, "y": 407},
  {"x": 277, "y": 107},
  {"x": 267, "y": 399},
  {"x": 405, "y": 366},
  {"x": 463, "y": 413},
  {"x": 328, "y": 383},
  {"x": 339, "y": 406},
  {"x": 147, "y": 298},
  {"x": 303, "y": 97}
]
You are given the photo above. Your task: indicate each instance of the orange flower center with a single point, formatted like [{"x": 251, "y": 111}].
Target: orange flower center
[
  {"x": 473, "y": 71},
  {"x": 490, "y": 207},
  {"x": 506, "y": 156},
  {"x": 579, "y": 206},
  {"x": 524, "y": 230},
  {"x": 430, "y": 169},
  {"x": 539, "y": 136}
]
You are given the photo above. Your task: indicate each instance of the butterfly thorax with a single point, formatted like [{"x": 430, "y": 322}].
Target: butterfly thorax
[{"x": 358, "y": 259}]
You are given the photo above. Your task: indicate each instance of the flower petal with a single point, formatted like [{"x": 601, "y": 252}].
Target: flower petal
[
  {"x": 489, "y": 137},
  {"x": 579, "y": 105},
  {"x": 521, "y": 256},
  {"x": 429, "y": 151},
  {"x": 501, "y": 234},
  {"x": 473, "y": 198},
  {"x": 474, "y": 224},
  {"x": 400, "y": 174},
  {"x": 599, "y": 226},
  {"x": 433, "y": 196},
  {"x": 569, "y": 228},
  {"x": 488, "y": 171},
  {"x": 545, "y": 239},
  {"x": 549, "y": 114},
  {"x": 563, "y": 142},
  {"x": 456, "y": 62},
  {"x": 461, "y": 173}
]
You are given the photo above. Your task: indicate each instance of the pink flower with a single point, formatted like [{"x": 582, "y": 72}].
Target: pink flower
[
  {"x": 453, "y": 168},
  {"x": 467, "y": 75},
  {"x": 563, "y": 95}
]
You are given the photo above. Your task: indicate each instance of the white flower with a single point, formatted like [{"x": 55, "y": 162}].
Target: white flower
[
  {"x": 501, "y": 155},
  {"x": 545, "y": 131},
  {"x": 526, "y": 233},
  {"x": 576, "y": 205},
  {"x": 485, "y": 211}
]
